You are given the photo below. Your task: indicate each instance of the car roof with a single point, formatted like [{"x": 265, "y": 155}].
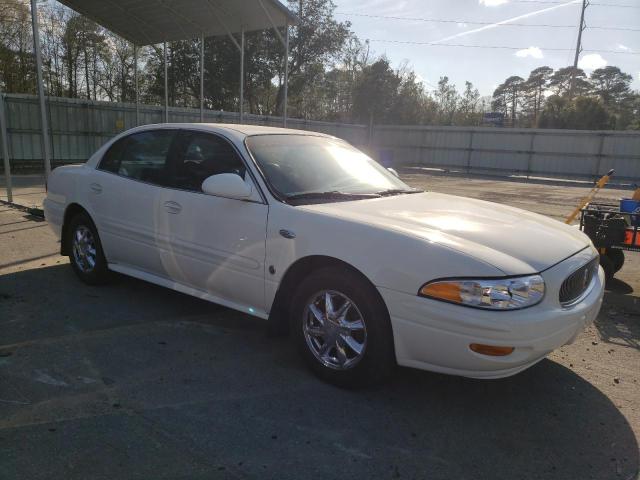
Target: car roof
[{"x": 233, "y": 129}]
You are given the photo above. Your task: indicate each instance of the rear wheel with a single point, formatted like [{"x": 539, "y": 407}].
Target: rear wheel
[
  {"x": 85, "y": 250},
  {"x": 342, "y": 328}
]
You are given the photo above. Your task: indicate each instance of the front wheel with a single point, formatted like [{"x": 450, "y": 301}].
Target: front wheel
[
  {"x": 342, "y": 328},
  {"x": 85, "y": 250}
]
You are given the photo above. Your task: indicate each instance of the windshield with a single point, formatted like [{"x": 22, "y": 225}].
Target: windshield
[{"x": 307, "y": 166}]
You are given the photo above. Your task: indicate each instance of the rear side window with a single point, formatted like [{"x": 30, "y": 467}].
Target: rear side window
[
  {"x": 204, "y": 155},
  {"x": 142, "y": 156},
  {"x": 111, "y": 160}
]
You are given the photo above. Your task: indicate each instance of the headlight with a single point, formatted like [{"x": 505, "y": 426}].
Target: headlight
[{"x": 492, "y": 294}]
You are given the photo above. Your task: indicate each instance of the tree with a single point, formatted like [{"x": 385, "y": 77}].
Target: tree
[
  {"x": 534, "y": 89},
  {"x": 317, "y": 39},
  {"x": 507, "y": 96},
  {"x": 16, "y": 48},
  {"x": 499, "y": 101},
  {"x": 581, "y": 113},
  {"x": 467, "y": 113},
  {"x": 52, "y": 24},
  {"x": 342, "y": 78},
  {"x": 589, "y": 114},
  {"x": 633, "y": 111},
  {"x": 611, "y": 85},
  {"x": 80, "y": 36},
  {"x": 121, "y": 73},
  {"x": 560, "y": 81},
  {"x": 375, "y": 92},
  {"x": 412, "y": 105},
  {"x": 333, "y": 75},
  {"x": 447, "y": 99},
  {"x": 555, "y": 113}
]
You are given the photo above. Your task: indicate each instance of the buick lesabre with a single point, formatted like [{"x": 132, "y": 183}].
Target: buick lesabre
[{"x": 307, "y": 232}]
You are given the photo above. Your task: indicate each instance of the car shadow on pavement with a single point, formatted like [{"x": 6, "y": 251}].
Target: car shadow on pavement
[
  {"x": 133, "y": 380},
  {"x": 619, "y": 320}
]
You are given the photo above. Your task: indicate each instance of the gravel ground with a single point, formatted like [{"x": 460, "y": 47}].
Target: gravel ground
[{"x": 134, "y": 381}]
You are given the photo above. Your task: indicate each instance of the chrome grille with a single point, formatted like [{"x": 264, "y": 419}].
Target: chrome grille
[{"x": 578, "y": 282}]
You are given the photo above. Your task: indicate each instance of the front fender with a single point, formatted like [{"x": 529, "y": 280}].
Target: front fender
[{"x": 389, "y": 259}]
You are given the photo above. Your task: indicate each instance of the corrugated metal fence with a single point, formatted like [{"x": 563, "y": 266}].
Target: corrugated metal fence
[
  {"x": 79, "y": 127},
  {"x": 533, "y": 152}
]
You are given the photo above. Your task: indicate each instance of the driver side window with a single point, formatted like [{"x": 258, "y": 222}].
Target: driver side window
[{"x": 205, "y": 155}]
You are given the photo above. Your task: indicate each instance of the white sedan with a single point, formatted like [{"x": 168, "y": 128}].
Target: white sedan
[{"x": 307, "y": 232}]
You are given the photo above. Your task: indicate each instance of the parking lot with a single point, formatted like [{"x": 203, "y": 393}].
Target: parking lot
[{"x": 131, "y": 380}]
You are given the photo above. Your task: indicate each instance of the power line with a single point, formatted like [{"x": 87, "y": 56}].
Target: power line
[
  {"x": 501, "y": 47},
  {"x": 614, "y": 5},
  {"x": 470, "y": 22},
  {"x": 624, "y": 29},
  {"x": 617, "y": 5}
]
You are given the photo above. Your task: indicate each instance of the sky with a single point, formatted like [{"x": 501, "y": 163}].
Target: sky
[{"x": 530, "y": 46}]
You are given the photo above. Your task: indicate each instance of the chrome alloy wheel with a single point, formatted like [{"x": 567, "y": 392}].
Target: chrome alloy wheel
[
  {"x": 334, "y": 330},
  {"x": 84, "y": 249}
]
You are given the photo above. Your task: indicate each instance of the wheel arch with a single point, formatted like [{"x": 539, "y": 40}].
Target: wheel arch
[
  {"x": 71, "y": 211},
  {"x": 280, "y": 309}
]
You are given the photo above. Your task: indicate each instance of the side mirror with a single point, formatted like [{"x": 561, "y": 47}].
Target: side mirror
[
  {"x": 227, "y": 185},
  {"x": 392, "y": 170}
]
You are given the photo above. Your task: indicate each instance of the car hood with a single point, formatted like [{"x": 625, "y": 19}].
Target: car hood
[{"x": 512, "y": 240}]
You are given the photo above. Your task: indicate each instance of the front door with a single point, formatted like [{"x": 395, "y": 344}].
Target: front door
[{"x": 213, "y": 244}]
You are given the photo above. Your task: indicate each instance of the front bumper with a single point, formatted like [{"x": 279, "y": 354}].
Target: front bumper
[{"x": 433, "y": 335}]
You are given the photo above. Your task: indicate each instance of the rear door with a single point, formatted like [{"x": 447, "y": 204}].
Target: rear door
[
  {"x": 124, "y": 194},
  {"x": 213, "y": 244}
]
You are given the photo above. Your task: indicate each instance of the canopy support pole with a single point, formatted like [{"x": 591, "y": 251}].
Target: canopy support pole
[
  {"x": 135, "y": 81},
  {"x": 43, "y": 112},
  {"x": 202, "y": 78},
  {"x": 242, "y": 74},
  {"x": 5, "y": 150},
  {"x": 166, "y": 86},
  {"x": 286, "y": 75}
]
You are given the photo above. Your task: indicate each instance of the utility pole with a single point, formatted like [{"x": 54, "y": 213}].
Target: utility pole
[{"x": 581, "y": 28}]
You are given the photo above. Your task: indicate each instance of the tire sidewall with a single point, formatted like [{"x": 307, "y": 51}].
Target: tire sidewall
[
  {"x": 378, "y": 360},
  {"x": 99, "y": 274}
]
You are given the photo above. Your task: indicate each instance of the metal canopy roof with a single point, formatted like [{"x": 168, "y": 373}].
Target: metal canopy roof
[{"x": 147, "y": 22}]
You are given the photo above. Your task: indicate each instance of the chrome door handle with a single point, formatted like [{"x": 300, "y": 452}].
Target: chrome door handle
[
  {"x": 172, "y": 207},
  {"x": 96, "y": 187}
]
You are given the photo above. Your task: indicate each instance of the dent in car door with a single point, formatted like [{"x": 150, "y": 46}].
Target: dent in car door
[{"x": 213, "y": 244}]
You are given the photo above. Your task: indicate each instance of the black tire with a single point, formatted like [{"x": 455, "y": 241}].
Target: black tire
[
  {"x": 607, "y": 265},
  {"x": 617, "y": 258},
  {"x": 377, "y": 360},
  {"x": 91, "y": 275}
]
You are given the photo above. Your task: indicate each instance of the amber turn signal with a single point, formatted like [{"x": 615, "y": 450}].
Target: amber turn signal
[
  {"x": 443, "y": 291},
  {"x": 491, "y": 350}
]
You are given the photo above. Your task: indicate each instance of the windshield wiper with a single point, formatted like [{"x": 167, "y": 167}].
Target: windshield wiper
[
  {"x": 398, "y": 191},
  {"x": 334, "y": 194}
]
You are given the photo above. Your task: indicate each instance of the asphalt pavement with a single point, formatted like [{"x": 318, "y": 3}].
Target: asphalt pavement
[{"x": 131, "y": 380}]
